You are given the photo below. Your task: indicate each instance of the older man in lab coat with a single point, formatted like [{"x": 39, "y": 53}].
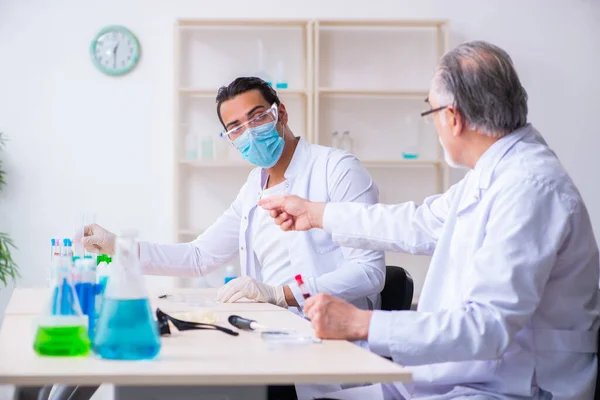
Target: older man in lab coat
[{"x": 509, "y": 308}]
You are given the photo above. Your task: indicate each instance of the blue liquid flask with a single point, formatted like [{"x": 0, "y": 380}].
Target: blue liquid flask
[{"x": 126, "y": 329}]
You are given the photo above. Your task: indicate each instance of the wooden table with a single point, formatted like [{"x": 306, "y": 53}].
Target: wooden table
[
  {"x": 199, "y": 358},
  {"x": 31, "y": 301}
]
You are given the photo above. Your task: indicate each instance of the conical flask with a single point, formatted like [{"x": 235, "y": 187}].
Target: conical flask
[
  {"x": 62, "y": 329},
  {"x": 126, "y": 329}
]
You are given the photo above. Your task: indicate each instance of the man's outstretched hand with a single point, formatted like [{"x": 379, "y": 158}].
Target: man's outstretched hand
[{"x": 293, "y": 213}]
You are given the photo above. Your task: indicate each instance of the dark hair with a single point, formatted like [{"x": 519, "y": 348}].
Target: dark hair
[
  {"x": 242, "y": 85},
  {"x": 483, "y": 84}
]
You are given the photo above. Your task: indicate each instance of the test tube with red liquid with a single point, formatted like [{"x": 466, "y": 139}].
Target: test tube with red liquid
[{"x": 300, "y": 282}]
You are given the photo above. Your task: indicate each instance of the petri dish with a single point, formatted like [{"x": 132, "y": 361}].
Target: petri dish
[{"x": 286, "y": 338}]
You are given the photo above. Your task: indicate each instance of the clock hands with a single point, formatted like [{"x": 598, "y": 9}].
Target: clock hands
[{"x": 115, "y": 55}]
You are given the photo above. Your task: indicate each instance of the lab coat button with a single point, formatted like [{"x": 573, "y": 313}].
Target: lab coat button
[{"x": 242, "y": 248}]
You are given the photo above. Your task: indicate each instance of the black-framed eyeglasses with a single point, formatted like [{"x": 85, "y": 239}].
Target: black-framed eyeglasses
[{"x": 428, "y": 115}]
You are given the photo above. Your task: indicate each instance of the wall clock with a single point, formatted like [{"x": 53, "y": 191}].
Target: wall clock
[{"x": 115, "y": 50}]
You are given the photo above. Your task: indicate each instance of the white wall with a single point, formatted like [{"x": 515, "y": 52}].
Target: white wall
[{"x": 81, "y": 140}]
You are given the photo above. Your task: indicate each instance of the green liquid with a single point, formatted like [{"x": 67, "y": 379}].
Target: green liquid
[{"x": 62, "y": 341}]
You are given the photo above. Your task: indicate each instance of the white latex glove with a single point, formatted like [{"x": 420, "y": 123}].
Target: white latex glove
[
  {"x": 96, "y": 239},
  {"x": 250, "y": 288}
]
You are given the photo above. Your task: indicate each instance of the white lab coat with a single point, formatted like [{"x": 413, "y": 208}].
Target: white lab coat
[
  {"x": 510, "y": 302},
  {"x": 317, "y": 173}
]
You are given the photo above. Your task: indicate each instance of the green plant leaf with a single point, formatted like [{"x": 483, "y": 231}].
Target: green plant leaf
[{"x": 8, "y": 267}]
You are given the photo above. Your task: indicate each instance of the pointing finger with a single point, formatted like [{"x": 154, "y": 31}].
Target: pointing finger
[{"x": 272, "y": 202}]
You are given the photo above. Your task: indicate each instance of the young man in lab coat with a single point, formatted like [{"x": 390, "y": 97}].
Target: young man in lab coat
[
  {"x": 509, "y": 308},
  {"x": 256, "y": 123}
]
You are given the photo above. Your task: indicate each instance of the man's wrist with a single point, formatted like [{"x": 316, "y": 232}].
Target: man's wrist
[
  {"x": 316, "y": 212},
  {"x": 289, "y": 297},
  {"x": 363, "y": 321}
]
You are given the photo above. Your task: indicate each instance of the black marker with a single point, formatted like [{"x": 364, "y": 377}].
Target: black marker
[{"x": 244, "y": 323}]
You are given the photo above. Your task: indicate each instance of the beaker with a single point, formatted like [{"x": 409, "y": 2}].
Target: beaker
[
  {"x": 62, "y": 329},
  {"x": 126, "y": 329},
  {"x": 411, "y": 135}
]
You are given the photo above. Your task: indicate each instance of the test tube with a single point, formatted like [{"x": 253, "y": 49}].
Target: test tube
[{"x": 300, "y": 282}]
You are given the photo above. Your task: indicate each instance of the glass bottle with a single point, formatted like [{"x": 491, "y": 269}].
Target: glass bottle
[
  {"x": 412, "y": 135},
  {"x": 281, "y": 82},
  {"x": 126, "y": 329},
  {"x": 262, "y": 74},
  {"x": 208, "y": 147},
  {"x": 346, "y": 142},
  {"x": 191, "y": 146},
  {"x": 335, "y": 139}
]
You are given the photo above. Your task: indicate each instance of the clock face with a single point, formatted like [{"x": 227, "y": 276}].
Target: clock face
[{"x": 115, "y": 50}]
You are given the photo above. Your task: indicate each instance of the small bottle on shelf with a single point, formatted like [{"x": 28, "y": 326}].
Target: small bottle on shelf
[
  {"x": 191, "y": 146},
  {"x": 411, "y": 147},
  {"x": 262, "y": 74},
  {"x": 208, "y": 148},
  {"x": 346, "y": 142},
  {"x": 281, "y": 82},
  {"x": 335, "y": 139}
]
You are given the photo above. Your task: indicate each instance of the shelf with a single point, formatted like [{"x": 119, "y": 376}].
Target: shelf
[
  {"x": 401, "y": 163},
  {"x": 420, "y": 94},
  {"x": 217, "y": 164},
  {"x": 242, "y": 23},
  {"x": 212, "y": 93},
  {"x": 379, "y": 24}
]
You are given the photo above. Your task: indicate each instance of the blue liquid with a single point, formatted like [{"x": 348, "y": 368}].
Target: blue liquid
[
  {"x": 99, "y": 297},
  {"x": 281, "y": 85},
  {"x": 100, "y": 287},
  {"x": 63, "y": 299},
  {"x": 126, "y": 330},
  {"x": 86, "y": 292},
  {"x": 410, "y": 156}
]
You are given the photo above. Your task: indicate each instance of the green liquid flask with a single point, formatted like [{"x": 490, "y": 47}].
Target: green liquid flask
[{"x": 62, "y": 329}]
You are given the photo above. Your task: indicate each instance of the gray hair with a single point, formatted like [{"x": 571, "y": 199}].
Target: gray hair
[{"x": 481, "y": 81}]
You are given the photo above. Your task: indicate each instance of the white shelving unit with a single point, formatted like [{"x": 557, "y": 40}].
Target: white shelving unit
[
  {"x": 372, "y": 78},
  {"x": 367, "y": 77}
]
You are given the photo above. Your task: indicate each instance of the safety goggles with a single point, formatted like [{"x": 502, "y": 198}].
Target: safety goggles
[
  {"x": 261, "y": 119},
  {"x": 164, "y": 329}
]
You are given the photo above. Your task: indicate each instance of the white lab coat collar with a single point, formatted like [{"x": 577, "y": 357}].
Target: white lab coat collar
[
  {"x": 485, "y": 166},
  {"x": 299, "y": 158}
]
